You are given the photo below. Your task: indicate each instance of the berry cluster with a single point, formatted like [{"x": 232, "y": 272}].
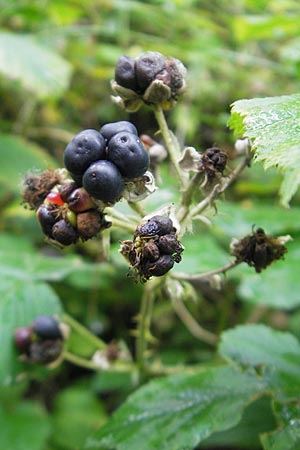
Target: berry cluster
[
  {"x": 68, "y": 213},
  {"x": 259, "y": 250},
  {"x": 154, "y": 249},
  {"x": 100, "y": 161},
  {"x": 151, "y": 78},
  {"x": 41, "y": 342},
  {"x": 104, "y": 165}
]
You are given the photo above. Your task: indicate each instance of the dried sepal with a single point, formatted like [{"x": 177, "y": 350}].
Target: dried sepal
[{"x": 258, "y": 249}]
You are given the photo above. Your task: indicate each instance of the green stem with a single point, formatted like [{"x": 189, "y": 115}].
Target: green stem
[
  {"x": 78, "y": 361},
  {"x": 171, "y": 143},
  {"x": 204, "y": 275},
  {"x": 120, "y": 224},
  {"x": 90, "y": 337},
  {"x": 192, "y": 325},
  {"x": 136, "y": 207},
  {"x": 144, "y": 321}
]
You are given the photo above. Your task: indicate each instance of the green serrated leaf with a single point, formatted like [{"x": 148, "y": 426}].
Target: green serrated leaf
[
  {"x": 287, "y": 437},
  {"x": 272, "y": 125},
  {"x": 178, "y": 412},
  {"x": 24, "y": 426},
  {"x": 277, "y": 353},
  {"x": 17, "y": 158},
  {"x": 38, "y": 68}
]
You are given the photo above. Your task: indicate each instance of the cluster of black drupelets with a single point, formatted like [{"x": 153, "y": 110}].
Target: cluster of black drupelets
[
  {"x": 99, "y": 163},
  {"x": 154, "y": 248},
  {"x": 41, "y": 342}
]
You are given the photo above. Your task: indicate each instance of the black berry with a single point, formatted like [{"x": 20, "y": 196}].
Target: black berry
[
  {"x": 85, "y": 148},
  {"x": 64, "y": 233},
  {"x": 125, "y": 72},
  {"x": 110, "y": 129},
  {"x": 79, "y": 200},
  {"x": 47, "y": 216},
  {"x": 161, "y": 266},
  {"x": 127, "y": 152},
  {"x": 46, "y": 327},
  {"x": 148, "y": 65},
  {"x": 103, "y": 181}
]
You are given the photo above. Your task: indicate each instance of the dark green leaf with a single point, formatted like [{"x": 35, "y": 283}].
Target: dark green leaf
[
  {"x": 287, "y": 437},
  {"x": 178, "y": 411},
  {"x": 84, "y": 415},
  {"x": 17, "y": 158},
  {"x": 38, "y": 68},
  {"x": 276, "y": 353},
  {"x": 24, "y": 426}
]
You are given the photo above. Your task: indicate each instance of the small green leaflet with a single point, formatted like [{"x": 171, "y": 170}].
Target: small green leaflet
[{"x": 272, "y": 124}]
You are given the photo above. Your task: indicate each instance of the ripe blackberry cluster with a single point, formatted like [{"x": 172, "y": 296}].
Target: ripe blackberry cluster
[
  {"x": 101, "y": 164},
  {"x": 154, "y": 248},
  {"x": 41, "y": 342},
  {"x": 101, "y": 161},
  {"x": 151, "y": 78}
]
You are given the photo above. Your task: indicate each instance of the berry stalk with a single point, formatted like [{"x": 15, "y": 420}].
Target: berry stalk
[{"x": 171, "y": 143}]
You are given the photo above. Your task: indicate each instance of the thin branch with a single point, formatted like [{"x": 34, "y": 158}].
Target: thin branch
[
  {"x": 79, "y": 361},
  {"x": 204, "y": 275},
  {"x": 191, "y": 324},
  {"x": 83, "y": 331},
  {"x": 171, "y": 143}
]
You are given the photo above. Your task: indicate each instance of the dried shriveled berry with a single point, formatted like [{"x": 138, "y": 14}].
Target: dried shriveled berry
[
  {"x": 160, "y": 267},
  {"x": 46, "y": 327},
  {"x": 37, "y": 187},
  {"x": 258, "y": 250},
  {"x": 45, "y": 351},
  {"x": 151, "y": 252},
  {"x": 169, "y": 244},
  {"x": 90, "y": 223},
  {"x": 64, "y": 233},
  {"x": 22, "y": 339},
  {"x": 214, "y": 160}
]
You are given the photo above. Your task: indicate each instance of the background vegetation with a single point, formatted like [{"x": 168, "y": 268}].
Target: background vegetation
[{"x": 56, "y": 60}]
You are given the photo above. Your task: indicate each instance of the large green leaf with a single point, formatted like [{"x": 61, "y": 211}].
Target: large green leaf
[
  {"x": 38, "y": 68},
  {"x": 179, "y": 411},
  {"x": 24, "y": 426},
  {"x": 17, "y": 158},
  {"x": 71, "y": 403},
  {"x": 276, "y": 353},
  {"x": 287, "y": 437},
  {"x": 272, "y": 125}
]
